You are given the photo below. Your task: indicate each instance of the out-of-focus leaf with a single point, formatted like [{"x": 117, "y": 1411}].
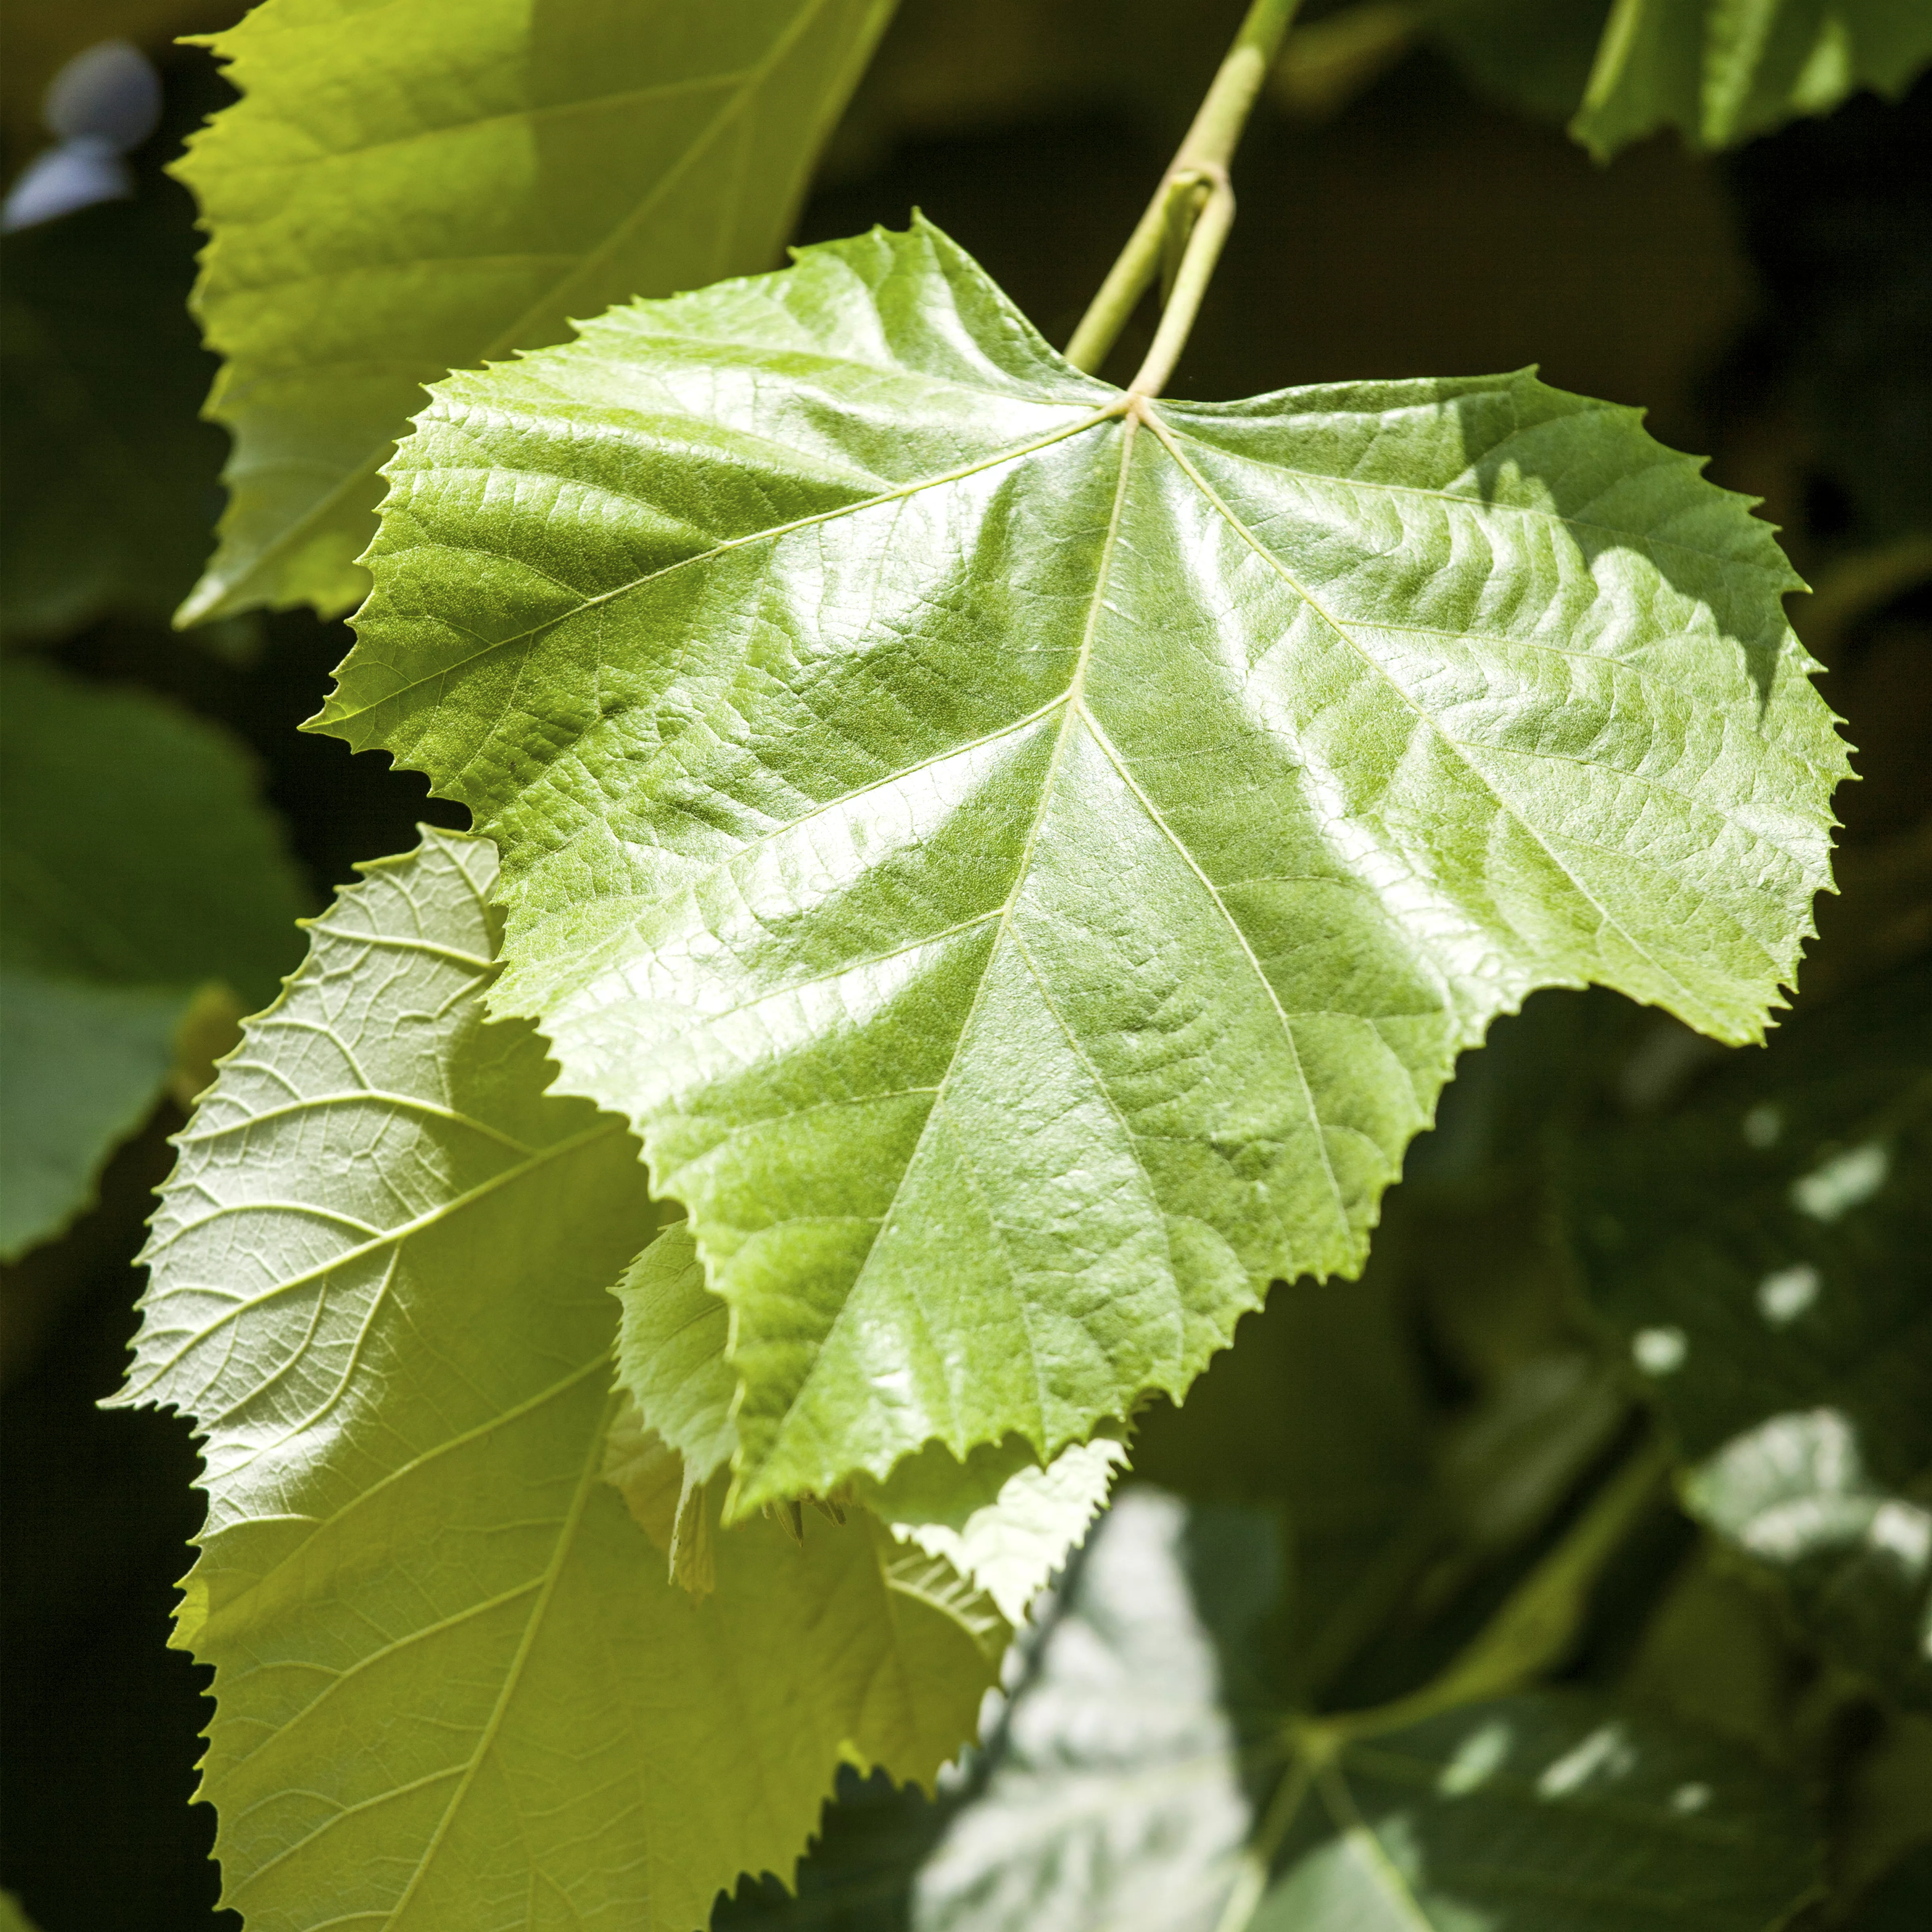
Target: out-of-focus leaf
[
  {"x": 137, "y": 865},
  {"x": 424, "y": 184},
  {"x": 1025, "y": 857},
  {"x": 1901, "y": 1901},
  {"x": 1763, "y": 1254},
  {"x": 1138, "y": 1784},
  {"x": 454, "y": 1685},
  {"x": 1536, "y": 55},
  {"x": 1718, "y": 1653},
  {"x": 1720, "y": 71},
  {"x": 110, "y": 493}
]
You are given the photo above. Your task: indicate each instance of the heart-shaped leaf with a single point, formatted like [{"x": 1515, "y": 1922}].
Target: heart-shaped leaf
[{"x": 1024, "y": 856}]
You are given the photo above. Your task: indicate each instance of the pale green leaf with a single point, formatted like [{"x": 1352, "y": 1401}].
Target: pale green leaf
[
  {"x": 1025, "y": 858},
  {"x": 671, "y": 1353},
  {"x": 1142, "y": 1780},
  {"x": 137, "y": 865},
  {"x": 454, "y": 1685},
  {"x": 1763, "y": 1254},
  {"x": 1722, "y": 70},
  {"x": 413, "y": 186},
  {"x": 999, "y": 1518}
]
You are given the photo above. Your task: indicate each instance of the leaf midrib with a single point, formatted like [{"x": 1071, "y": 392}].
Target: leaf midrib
[{"x": 1382, "y": 675}]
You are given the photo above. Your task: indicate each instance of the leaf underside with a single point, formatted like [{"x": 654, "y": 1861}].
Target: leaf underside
[
  {"x": 454, "y": 1684},
  {"x": 1764, "y": 1256},
  {"x": 412, "y": 186},
  {"x": 1024, "y": 859}
]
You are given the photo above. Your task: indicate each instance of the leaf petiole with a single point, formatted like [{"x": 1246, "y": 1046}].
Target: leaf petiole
[{"x": 1180, "y": 226}]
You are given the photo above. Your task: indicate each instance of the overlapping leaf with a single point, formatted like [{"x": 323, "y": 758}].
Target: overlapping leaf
[
  {"x": 1722, "y": 70},
  {"x": 1024, "y": 857},
  {"x": 138, "y": 873},
  {"x": 998, "y": 1518},
  {"x": 1136, "y": 1785},
  {"x": 412, "y": 186},
  {"x": 1718, "y": 71},
  {"x": 454, "y": 1684},
  {"x": 1764, "y": 1255}
]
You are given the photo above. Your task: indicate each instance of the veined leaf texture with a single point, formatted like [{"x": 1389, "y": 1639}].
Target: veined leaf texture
[
  {"x": 409, "y": 186},
  {"x": 455, "y": 1685},
  {"x": 1024, "y": 856}
]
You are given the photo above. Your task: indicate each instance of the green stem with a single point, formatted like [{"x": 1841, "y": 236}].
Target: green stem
[
  {"x": 1538, "y": 1622},
  {"x": 1200, "y": 162}
]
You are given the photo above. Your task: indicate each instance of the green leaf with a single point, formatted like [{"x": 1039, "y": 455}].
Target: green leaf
[
  {"x": 1722, "y": 70},
  {"x": 1025, "y": 858},
  {"x": 1138, "y": 1784},
  {"x": 137, "y": 864},
  {"x": 1536, "y": 55},
  {"x": 109, "y": 491},
  {"x": 1762, "y": 1252},
  {"x": 414, "y": 186},
  {"x": 1897, "y": 1902},
  {"x": 454, "y": 1685},
  {"x": 997, "y": 1518}
]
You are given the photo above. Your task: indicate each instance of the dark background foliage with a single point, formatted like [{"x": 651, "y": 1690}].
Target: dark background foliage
[{"x": 1773, "y": 308}]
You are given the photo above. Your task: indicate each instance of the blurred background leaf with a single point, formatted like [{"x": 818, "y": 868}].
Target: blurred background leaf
[{"x": 143, "y": 888}]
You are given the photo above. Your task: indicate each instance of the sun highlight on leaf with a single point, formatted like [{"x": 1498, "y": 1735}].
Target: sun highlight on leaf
[
  {"x": 997, "y": 1518},
  {"x": 1024, "y": 856},
  {"x": 408, "y": 187},
  {"x": 455, "y": 1685}
]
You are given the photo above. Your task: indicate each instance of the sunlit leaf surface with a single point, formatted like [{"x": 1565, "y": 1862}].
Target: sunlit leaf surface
[
  {"x": 414, "y": 185},
  {"x": 1023, "y": 858},
  {"x": 455, "y": 1685}
]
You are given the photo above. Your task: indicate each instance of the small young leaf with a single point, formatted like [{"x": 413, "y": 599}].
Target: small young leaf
[
  {"x": 999, "y": 1519},
  {"x": 139, "y": 870},
  {"x": 407, "y": 188},
  {"x": 454, "y": 1685},
  {"x": 1025, "y": 857},
  {"x": 1762, "y": 1254},
  {"x": 1722, "y": 70}
]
